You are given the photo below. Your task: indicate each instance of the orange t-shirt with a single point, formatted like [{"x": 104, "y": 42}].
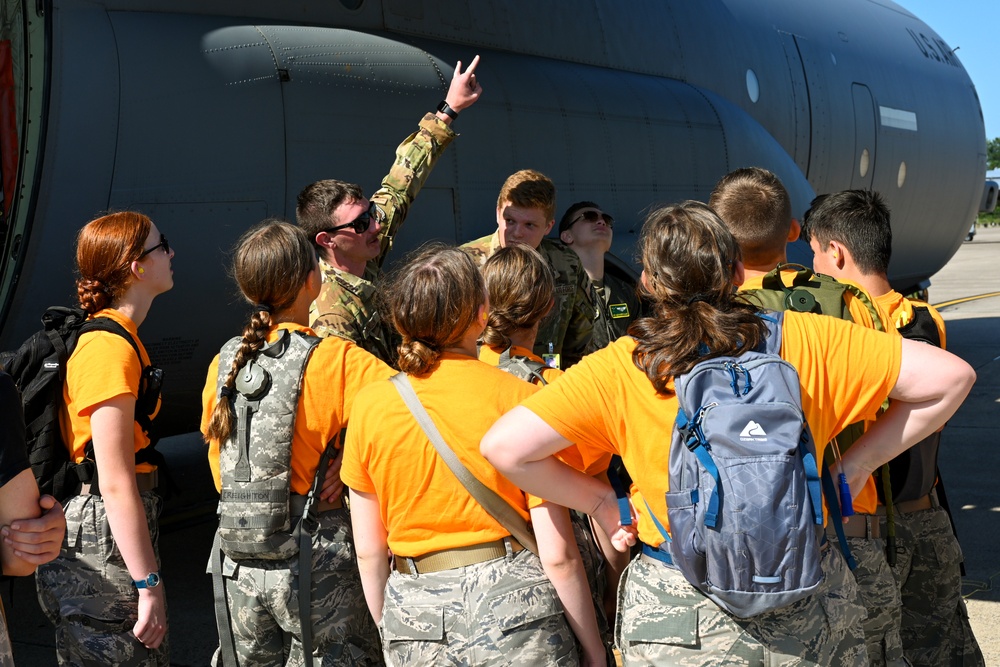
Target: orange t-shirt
[
  {"x": 423, "y": 505},
  {"x": 900, "y": 311},
  {"x": 103, "y": 366},
  {"x": 336, "y": 371},
  {"x": 845, "y": 373},
  {"x": 866, "y": 502},
  {"x": 571, "y": 455}
]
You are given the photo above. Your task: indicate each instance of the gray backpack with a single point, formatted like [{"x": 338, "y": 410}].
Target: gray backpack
[
  {"x": 744, "y": 503},
  {"x": 255, "y": 508}
]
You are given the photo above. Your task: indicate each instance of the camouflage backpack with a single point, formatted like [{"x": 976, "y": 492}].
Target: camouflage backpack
[
  {"x": 814, "y": 293},
  {"x": 522, "y": 367},
  {"x": 255, "y": 508}
]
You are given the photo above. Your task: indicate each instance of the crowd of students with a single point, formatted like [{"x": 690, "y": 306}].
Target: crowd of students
[{"x": 484, "y": 391}]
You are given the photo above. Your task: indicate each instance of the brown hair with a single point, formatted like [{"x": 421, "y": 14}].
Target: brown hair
[
  {"x": 271, "y": 262},
  {"x": 755, "y": 206},
  {"x": 689, "y": 258},
  {"x": 530, "y": 189},
  {"x": 105, "y": 250},
  {"x": 317, "y": 201},
  {"x": 520, "y": 286},
  {"x": 433, "y": 300}
]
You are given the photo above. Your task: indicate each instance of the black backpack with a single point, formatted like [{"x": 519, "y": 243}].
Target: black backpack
[{"x": 38, "y": 367}]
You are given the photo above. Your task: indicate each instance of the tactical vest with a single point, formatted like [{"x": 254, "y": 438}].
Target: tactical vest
[
  {"x": 255, "y": 517},
  {"x": 913, "y": 473}
]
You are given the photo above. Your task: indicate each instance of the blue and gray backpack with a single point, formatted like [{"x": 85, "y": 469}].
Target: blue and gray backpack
[{"x": 744, "y": 503}]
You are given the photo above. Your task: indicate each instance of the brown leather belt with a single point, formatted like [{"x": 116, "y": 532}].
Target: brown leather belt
[
  {"x": 858, "y": 525},
  {"x": 145, "y": 481},
  {"x": 907, "y": 506},
  {"x": 449, "y": 559}
]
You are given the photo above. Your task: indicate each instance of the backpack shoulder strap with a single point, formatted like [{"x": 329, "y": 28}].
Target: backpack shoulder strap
[
  {"x": 527, "y": 369},
  {"x": 109, "y": 325}
]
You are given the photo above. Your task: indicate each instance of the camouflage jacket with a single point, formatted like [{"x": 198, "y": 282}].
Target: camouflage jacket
[
  {"x": 616, "y": 306},
  {"x": 346, "y": 303},
  {"x": 570, "y": 325}
]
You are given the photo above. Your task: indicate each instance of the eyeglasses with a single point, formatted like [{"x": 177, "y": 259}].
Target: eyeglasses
[
  {"x": 594, "y": 216},
  {"x": 162, "y": 244},
  {"x": 360, "y": 223}
]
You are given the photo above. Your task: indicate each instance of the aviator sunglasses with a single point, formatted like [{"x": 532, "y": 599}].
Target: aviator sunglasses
[
  {"x": 594, "y": 216},
  {"x": 360, "y": 223},
  {"x": 162, "y": 244}
]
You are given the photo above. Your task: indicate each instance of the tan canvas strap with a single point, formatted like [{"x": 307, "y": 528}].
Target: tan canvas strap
[
  {"x": 495, "y": 506},
  {"x": 449, "y": 559}
]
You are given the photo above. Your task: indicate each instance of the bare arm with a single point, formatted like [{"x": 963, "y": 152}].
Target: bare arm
[
  {"x": 371, "y": 545},
  {"x": 520, "y": 445},
  {"x": 18, "y": 500},
  {"x": 36, "y": 540},
  {"x": 563, "y": 565},
  {"x": 111, "y": 426},
  {"x": 931, "y": 386}
]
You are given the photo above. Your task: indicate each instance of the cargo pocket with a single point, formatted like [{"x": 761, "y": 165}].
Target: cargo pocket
[
  {"x": 530, "y": 626},
  {"x": 647, "y": 628},
  {"x": 412, "y": 624}
]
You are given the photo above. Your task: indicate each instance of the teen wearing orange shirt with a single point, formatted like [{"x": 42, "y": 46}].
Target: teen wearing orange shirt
[
  {"x": 621, "y": 399},
  {"x": 463, "y": 590},
  {"x": 520, "y": 288},
  {"x": 278, "y": 273},
  {"x": 103, "y": 592}
]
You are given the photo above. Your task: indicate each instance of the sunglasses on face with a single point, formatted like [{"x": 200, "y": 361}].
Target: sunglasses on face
[
  {"x": 162, "y": 244},
  {"x": 361, "y": 223},
  {"x": 594, "y": 216}
]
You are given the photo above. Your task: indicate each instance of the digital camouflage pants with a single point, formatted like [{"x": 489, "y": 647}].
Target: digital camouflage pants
[
  {"x": 88, "y": 593},
  {"x": 263, "y": 600},
  {"x": 501, "y": 612},
  {"x": 880, "y": 596},
  {"x": 935, "y": 622},
  {"x": 664, "y": 620}
]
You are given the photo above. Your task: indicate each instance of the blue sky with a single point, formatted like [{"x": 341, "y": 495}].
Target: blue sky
[{"x": 970, "y": 25}]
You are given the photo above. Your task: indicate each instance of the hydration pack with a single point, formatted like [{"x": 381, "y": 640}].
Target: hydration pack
[
  {"x": 38, "y": 368},
  {"x": 522, "y": 367},
  {"x": 744, "y": 503},
  {"x": 256, "y": 518}
]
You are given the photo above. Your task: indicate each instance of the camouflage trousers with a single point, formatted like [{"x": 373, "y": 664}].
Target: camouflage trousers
[
  {"x": 595, "y": 567},
  {"x": 87, "y": 591},
  {"x": 263, "y": 600},
  {"x": 501, "y": 612},
  {"x": 6, "y": 653},
  {"x": 881, "y": 599},
  {"x": 935, "y": 622},
  {"x": 664, "y": 620}
]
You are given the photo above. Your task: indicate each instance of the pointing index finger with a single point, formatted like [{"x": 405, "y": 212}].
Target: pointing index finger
[{"x": 472, "y": 66}]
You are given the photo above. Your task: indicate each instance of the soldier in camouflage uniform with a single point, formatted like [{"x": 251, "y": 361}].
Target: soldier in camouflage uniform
[
  {"x": 851, "y": 236},
  {"x": 354, "y": 234},
  {"x": 525, "y": 214},
  {"x": 588, "y": 231}
]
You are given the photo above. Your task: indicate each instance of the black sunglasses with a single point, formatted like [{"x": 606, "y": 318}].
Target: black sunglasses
[
  {"x": 594, "y": 216},
  {"x": 162, "y": 244},
  {"x": 360, "y": 223}
]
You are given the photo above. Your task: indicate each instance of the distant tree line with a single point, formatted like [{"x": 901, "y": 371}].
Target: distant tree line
[{"x": 993, "y": 154}]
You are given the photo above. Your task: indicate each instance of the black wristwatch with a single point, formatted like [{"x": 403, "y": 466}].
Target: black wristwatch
[
  {"x": 152, "y": 580},
  {"x": 447, "y": 110}
]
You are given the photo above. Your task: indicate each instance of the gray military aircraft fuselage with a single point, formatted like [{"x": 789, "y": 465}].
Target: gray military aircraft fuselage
[{"x": 211, "y": 115}]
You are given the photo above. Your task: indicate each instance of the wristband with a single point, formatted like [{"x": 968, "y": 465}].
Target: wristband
[
  {"x": 447, "y": 110},
  {"x": 152, "y": 580}
]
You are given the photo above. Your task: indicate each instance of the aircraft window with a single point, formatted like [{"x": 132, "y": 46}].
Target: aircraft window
[
  {"x": 753, "y": 87},
  {"x": 865, "y": 162},
  {"x": 901, "y": 177}
]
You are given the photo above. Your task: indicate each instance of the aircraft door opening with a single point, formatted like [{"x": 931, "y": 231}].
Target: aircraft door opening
[{"x": 863, "y": 173}]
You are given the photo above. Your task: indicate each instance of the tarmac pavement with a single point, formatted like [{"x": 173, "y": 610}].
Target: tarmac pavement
[{"x": 967, "y": 464}]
